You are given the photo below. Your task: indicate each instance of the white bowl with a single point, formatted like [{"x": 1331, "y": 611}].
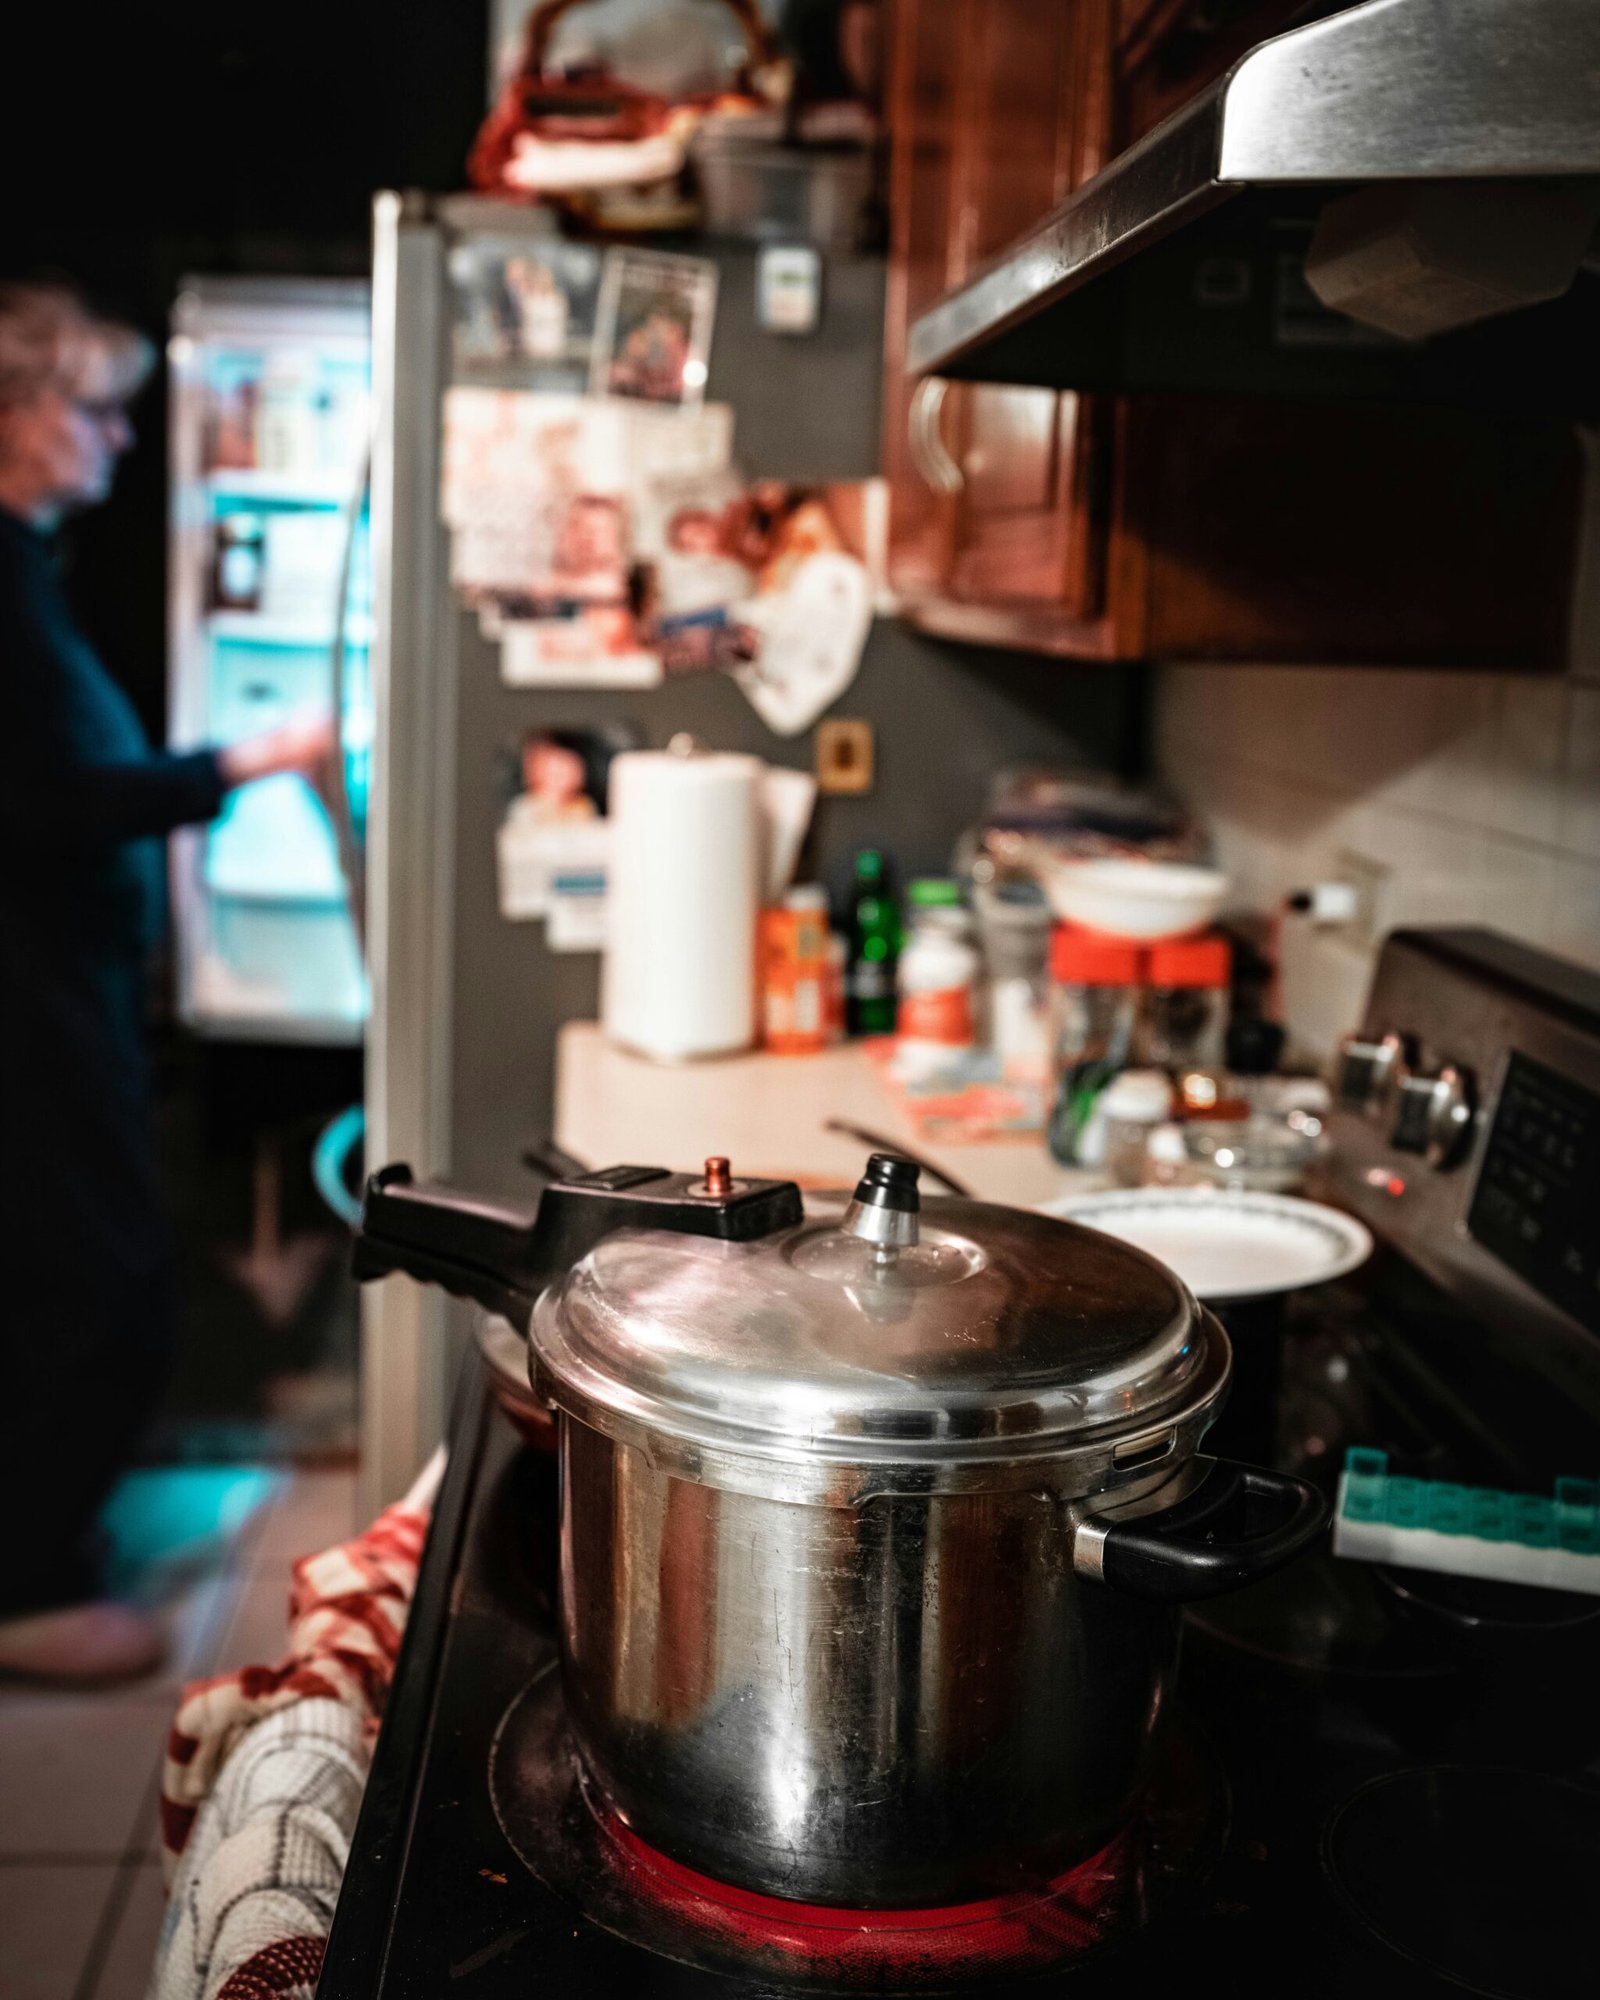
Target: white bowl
[{"x": 1133, "y": 899}]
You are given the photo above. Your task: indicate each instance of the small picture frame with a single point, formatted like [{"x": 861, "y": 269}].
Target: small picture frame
[{"x": 653, "y": 328}]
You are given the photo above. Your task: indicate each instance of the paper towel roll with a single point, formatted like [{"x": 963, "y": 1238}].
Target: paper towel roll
[{"x": 683, "y": 892}]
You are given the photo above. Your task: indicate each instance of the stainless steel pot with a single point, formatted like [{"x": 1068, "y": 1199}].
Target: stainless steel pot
[{"x": 876, "y": 1518}]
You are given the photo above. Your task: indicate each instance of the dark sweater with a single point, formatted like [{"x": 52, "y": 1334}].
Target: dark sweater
[
  {"x": 87, "y": 1330},
  {"x": 83, "y": 797}
]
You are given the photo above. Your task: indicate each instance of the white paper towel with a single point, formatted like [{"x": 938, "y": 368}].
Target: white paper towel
[{"x": 685, "y": 886}]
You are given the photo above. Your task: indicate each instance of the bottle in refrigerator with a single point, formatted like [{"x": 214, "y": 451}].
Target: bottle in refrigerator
[
  {"x": 874, "y": 949},
  {"x": 287, "y": 413},
  {"x": 236, "y": 571}
]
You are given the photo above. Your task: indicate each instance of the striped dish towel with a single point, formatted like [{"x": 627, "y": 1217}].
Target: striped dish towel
[{"x": 265, "y": 1768}]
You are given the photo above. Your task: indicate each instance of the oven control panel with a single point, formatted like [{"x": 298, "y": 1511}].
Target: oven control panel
[
  {"x": 1466, "y": 1135},
  {"x": 1536, "y": 1204}
]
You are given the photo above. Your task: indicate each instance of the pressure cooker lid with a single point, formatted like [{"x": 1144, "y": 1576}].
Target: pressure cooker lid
[{"x": 880, "y": 1329}]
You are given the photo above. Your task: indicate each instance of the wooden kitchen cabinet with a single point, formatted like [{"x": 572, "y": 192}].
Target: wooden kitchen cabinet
[
  {"x": 1101, "y": 526},
  {"x": 1167, "y": 50},
  {"x": 1000, "y": 496}
]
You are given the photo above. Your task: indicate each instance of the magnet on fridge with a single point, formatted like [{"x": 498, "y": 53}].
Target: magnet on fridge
[{"x": 789, "y": 288}]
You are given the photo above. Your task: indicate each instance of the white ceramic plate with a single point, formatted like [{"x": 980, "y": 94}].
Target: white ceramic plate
[{"x": 1223, "y": 1242}]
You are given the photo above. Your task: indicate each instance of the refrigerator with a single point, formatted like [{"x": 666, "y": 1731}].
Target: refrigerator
[
  {"x": 466, "y": 1005},
  {"x": 270, "y": 617}
]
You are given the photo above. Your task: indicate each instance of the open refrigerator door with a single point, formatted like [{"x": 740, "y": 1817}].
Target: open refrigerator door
[{"x": 270, "y": 617}]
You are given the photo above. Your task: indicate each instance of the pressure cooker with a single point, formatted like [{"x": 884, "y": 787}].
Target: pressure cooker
[{"x": 877, "y": 1514}]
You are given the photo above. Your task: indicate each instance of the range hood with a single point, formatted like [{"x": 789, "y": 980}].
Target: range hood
[{"x": 1397, "y": 169}]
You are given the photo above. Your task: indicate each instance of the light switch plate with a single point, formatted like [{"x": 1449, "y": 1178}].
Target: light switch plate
[{"x": 844, "y": 756}]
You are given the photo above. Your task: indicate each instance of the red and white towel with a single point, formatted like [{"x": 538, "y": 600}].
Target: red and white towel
[{"x": 265, "y": 1769}]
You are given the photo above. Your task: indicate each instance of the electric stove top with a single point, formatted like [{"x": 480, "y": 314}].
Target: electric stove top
[
  {"x": 1373, "y": 1783},
  {"x": 1339, "y": 1808}
]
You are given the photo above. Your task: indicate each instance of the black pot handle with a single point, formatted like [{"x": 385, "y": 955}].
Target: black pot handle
[
  {"x": 474, "y": 1248},
  {"x": 1240, "y": 1523},
  {"x": 504, "y": 1256}
]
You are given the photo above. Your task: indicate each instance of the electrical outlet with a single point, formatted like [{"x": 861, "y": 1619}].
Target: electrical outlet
[{"x": 1369, "y": 879}]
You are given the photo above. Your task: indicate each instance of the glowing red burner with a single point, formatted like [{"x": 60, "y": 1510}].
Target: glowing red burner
[
  {"x": 1026, "y": 1931},
  {"x": 568, "y": 1836}
]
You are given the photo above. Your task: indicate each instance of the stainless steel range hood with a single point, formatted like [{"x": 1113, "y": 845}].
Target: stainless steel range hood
[{"x": 1399, "y": 134}]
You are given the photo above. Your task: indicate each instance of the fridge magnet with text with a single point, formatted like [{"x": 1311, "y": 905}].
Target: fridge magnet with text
[{"x": 653, "y": 336}]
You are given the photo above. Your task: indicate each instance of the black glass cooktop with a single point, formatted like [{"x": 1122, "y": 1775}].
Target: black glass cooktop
[{"x": 1332, "y": 1749}]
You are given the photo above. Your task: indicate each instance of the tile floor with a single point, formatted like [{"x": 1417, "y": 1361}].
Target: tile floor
[{"x": 80, "y": 1874}]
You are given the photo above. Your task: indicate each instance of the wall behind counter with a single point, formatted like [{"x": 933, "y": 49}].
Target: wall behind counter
[{"x": 1479, "y": 794}]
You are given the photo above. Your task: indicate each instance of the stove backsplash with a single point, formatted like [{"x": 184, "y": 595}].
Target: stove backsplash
[{"x": 1462, "y": 798}]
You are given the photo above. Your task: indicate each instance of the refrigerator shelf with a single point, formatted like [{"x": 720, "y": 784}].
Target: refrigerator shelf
[
  {"x": 249, "y": 628},
  {"x": 294, "y": 489}
]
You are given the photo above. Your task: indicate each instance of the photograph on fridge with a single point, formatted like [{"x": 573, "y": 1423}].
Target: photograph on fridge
[
  {"x": 653, "y": 337},
  {"x": 526, "y": 303},
  {"x": 553, "y": 843},
  {"x": 771, "y": 581}
]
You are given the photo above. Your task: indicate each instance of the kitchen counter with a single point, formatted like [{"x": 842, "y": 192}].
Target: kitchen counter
[{"x": 768, "y": 1114}]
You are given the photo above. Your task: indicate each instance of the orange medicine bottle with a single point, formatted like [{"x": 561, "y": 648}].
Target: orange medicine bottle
[{"x": 794, "y": 972}]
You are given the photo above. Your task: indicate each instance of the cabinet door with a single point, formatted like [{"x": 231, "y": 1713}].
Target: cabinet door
[
  {"x": 924, "y": 111},
  {"x": 1037, "y": 109},
  {"x": 999, "y": 493},
  {"x": 1167, "y": 51}
]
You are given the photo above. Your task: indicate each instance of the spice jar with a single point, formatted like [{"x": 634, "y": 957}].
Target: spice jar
[{"x": 1131, "y": 1107}]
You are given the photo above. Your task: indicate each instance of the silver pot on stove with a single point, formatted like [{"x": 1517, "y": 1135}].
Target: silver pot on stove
[{"x": 877, "y": 1514}]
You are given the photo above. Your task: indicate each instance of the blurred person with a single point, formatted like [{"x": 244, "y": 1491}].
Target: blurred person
[{"x": 87, "y": 1327}]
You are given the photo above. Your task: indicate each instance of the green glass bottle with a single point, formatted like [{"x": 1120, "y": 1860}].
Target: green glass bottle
[{"x": 874, "y": 948}]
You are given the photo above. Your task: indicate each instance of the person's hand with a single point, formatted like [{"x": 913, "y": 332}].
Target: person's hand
[{"x": 306, "y": 746}]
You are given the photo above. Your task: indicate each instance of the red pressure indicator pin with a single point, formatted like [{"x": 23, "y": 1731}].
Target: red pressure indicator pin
[{"x": 719, "y": 1176}]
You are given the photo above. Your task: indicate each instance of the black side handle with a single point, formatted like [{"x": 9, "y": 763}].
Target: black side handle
[
  {"x": 504, "y": 1256},
  {"x": 1240, "y": 1523}
]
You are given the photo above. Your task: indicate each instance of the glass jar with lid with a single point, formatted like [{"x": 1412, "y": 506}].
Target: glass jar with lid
[
  {"x": 1183, "y": 1023},
  {"x": 1095, "y": 987}
]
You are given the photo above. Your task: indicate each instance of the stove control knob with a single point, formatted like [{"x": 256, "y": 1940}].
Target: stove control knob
[
  {"x": 1368, "y": 1070},
  {"x": 1433, "y": 1115}
]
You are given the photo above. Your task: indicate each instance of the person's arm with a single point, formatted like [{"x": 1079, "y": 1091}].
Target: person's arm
[
  {"x": 75, "y": 807},
  {"x": 57, "y": 796},
  {"x": 80, "y": 806}
]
